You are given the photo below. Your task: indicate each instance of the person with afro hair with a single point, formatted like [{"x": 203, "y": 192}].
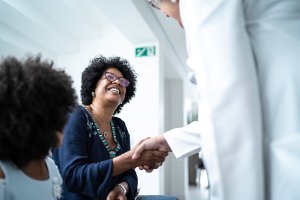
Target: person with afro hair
[
  {"x": 35, "y": 100},
  {"x": 95, "y": 159}
]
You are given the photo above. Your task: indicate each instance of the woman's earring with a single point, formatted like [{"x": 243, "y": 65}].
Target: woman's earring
[{"x": 93, "y": 94}]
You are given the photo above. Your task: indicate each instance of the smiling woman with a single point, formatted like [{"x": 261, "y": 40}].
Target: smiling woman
[
  {"x": 96, "y": 70},
  {"x": 95, "y": 159}
]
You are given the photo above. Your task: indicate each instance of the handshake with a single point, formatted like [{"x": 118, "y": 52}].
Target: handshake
[{"x": 150, "y": 153}]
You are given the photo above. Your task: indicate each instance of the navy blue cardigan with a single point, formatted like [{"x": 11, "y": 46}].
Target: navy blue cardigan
[{"x": 84, "y": 161}]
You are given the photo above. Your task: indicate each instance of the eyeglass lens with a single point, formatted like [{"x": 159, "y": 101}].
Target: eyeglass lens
[{"x": 112, "y": 77}]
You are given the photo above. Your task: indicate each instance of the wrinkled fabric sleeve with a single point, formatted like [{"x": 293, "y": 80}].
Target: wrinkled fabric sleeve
[
  {"x": 90, "y": 179},
  {"x": 184, "y": 141}
]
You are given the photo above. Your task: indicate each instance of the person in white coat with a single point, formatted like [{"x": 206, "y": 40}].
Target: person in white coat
[{"x": 246, "y": 58}]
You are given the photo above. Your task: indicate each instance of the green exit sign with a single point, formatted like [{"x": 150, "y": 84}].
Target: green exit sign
[{"x": 145, "y": 51}]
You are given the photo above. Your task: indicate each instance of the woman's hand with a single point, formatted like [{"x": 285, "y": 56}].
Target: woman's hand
[
  {"x": 151, "y": 159},
  {"x": 147, "y": 159},
  {"x": 151, "y": 143},
  {"x": 116, "y": 194}
]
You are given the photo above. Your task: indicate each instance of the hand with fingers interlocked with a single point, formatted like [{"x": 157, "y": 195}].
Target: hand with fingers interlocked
[{"x": 151, "y": 146}]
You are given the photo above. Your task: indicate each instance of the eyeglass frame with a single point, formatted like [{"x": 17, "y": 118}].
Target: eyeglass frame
[{"x": 121, "y": 79}]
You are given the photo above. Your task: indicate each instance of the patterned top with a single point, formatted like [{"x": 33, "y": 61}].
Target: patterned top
[
  {"x": 93, "y": 125},
  {"x": 85, "y": 162}
]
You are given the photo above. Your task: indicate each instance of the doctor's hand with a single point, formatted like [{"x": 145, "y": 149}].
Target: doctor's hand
[
  {"x": 157, "y": 143},
  {"x": 151, "y": 143},
  {"x": 151, "y": 159}
]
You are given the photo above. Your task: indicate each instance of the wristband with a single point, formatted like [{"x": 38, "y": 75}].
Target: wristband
[{"x": 122, "y": 188}]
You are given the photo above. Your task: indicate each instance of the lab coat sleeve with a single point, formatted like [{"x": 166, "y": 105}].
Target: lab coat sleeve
[
  {"x": 184, "y": 141},
  {"x": 221, "y": 55}
]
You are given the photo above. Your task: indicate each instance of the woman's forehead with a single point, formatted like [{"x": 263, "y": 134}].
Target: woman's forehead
[{"x": 114, "y": 71}]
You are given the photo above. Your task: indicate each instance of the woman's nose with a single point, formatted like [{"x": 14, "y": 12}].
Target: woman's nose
[{"x": 117, "y": 81}]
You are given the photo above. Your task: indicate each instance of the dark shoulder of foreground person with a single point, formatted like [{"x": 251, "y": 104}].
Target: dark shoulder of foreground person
[{"x": 77, "y": 113}]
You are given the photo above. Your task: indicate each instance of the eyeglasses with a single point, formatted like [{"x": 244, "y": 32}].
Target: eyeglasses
[
  {"x": 111, "y": 77},
  {"x": 155, "y": 3}
]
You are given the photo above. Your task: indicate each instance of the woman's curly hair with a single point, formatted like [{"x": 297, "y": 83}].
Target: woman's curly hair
[
  {"x": 35, "y": 100},
  {"x": 97, "y": 67}
]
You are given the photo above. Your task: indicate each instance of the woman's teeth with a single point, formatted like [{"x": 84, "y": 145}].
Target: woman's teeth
[{"x": 114, "y": 90}]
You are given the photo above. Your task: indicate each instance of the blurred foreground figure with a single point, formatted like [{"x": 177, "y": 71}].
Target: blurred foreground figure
[{"x": 35, "y": 100}]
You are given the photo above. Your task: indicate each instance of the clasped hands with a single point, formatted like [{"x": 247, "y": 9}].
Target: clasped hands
[{"x": 150, "y": 153}]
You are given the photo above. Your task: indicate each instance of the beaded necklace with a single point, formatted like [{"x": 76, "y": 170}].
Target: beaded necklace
[{"x": 112, "y": 151}]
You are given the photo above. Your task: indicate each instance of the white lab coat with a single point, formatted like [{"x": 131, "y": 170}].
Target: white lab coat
[{"x": 246, "y": 56}]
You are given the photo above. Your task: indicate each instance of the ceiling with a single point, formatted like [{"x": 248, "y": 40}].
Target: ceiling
[{"x": 58, "y": 26}]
